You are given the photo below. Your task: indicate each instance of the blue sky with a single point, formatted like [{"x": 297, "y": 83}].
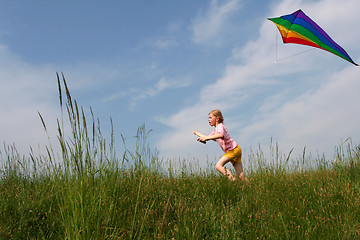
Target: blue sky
[{"x": 168, "y": 63}]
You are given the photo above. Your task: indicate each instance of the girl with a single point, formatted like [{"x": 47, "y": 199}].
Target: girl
[{"x": 230, "y": 147}]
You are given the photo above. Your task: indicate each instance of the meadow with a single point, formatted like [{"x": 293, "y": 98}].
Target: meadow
[{"x": 91, "y": 191}]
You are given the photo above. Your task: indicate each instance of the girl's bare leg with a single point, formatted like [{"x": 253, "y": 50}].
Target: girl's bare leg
[
  {"x": 239, "y": 171},
  {"x": 220, "y": 167}
]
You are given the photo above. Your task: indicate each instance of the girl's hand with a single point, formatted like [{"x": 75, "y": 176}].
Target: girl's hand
[{"x": 202, "y": 139}]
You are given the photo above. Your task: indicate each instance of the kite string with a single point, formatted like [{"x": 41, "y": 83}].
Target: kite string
[
  {"x": 294, "y": 55},
  {"x": 276, "y": 46},
  {"x": 284, "y": 58}
]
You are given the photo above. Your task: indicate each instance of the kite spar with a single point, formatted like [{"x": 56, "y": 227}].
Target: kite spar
[{"x": 300, "y": 29}]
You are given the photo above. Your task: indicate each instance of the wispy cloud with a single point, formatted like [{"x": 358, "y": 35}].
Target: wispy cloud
[
  {"x": 162, "y": 85},
  {"x": 206, "y": 27},
  {"x": 170, "y": 38},
  {"x": 164, "y": 43},
  {"x": 139, "y": 94}
]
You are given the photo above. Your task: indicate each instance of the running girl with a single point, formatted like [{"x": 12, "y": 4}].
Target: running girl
[{"x": 227, "y": 144}]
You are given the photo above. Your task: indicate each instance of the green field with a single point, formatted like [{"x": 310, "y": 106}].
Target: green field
[{"x": 89, "y": 192}]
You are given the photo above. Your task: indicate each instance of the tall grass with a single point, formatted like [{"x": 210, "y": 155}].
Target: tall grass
[{"x": 91, "y": 191}]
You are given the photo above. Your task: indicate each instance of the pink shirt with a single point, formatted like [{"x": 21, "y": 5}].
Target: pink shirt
[{"x": 226, "y": 143}]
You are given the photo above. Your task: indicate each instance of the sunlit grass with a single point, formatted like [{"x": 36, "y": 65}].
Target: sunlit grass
[{"x": 92, "y": 191}]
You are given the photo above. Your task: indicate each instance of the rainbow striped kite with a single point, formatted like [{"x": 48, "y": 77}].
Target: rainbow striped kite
[{"x": 299, "y": 28}]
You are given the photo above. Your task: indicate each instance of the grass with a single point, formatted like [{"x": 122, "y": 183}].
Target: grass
[{"x": 89, "y": 192}]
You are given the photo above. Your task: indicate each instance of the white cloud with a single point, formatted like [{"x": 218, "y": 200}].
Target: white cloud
[
  {"x": 207, "y": 27},
  {"x": 27, "y": 89},
  {"x": 318, "y": 120},
  {"x": 24, "y": 91}
]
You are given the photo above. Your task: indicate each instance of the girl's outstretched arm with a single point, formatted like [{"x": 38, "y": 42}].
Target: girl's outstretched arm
[
  {"x": 205, "y": 138},
  {"x": 199, "y": 134}
]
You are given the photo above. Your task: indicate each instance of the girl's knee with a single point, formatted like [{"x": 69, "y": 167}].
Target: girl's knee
[{"x": 219, "y": 167}]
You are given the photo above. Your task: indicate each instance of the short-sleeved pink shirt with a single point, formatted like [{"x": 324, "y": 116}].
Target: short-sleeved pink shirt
[{"x": 226, "y": 143}]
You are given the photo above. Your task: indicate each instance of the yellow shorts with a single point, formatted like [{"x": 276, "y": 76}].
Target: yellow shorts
[{"x": 234, "y": 155}]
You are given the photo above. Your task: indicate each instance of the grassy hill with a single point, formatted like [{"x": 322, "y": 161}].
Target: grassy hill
[{"x": 89, "y": 192}]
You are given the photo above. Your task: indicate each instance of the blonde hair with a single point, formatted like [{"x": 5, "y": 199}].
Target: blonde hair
[{"x": 217, "y": 113}]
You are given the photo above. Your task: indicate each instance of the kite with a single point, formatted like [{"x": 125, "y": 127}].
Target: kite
[{"x": 300, "y": 29}]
